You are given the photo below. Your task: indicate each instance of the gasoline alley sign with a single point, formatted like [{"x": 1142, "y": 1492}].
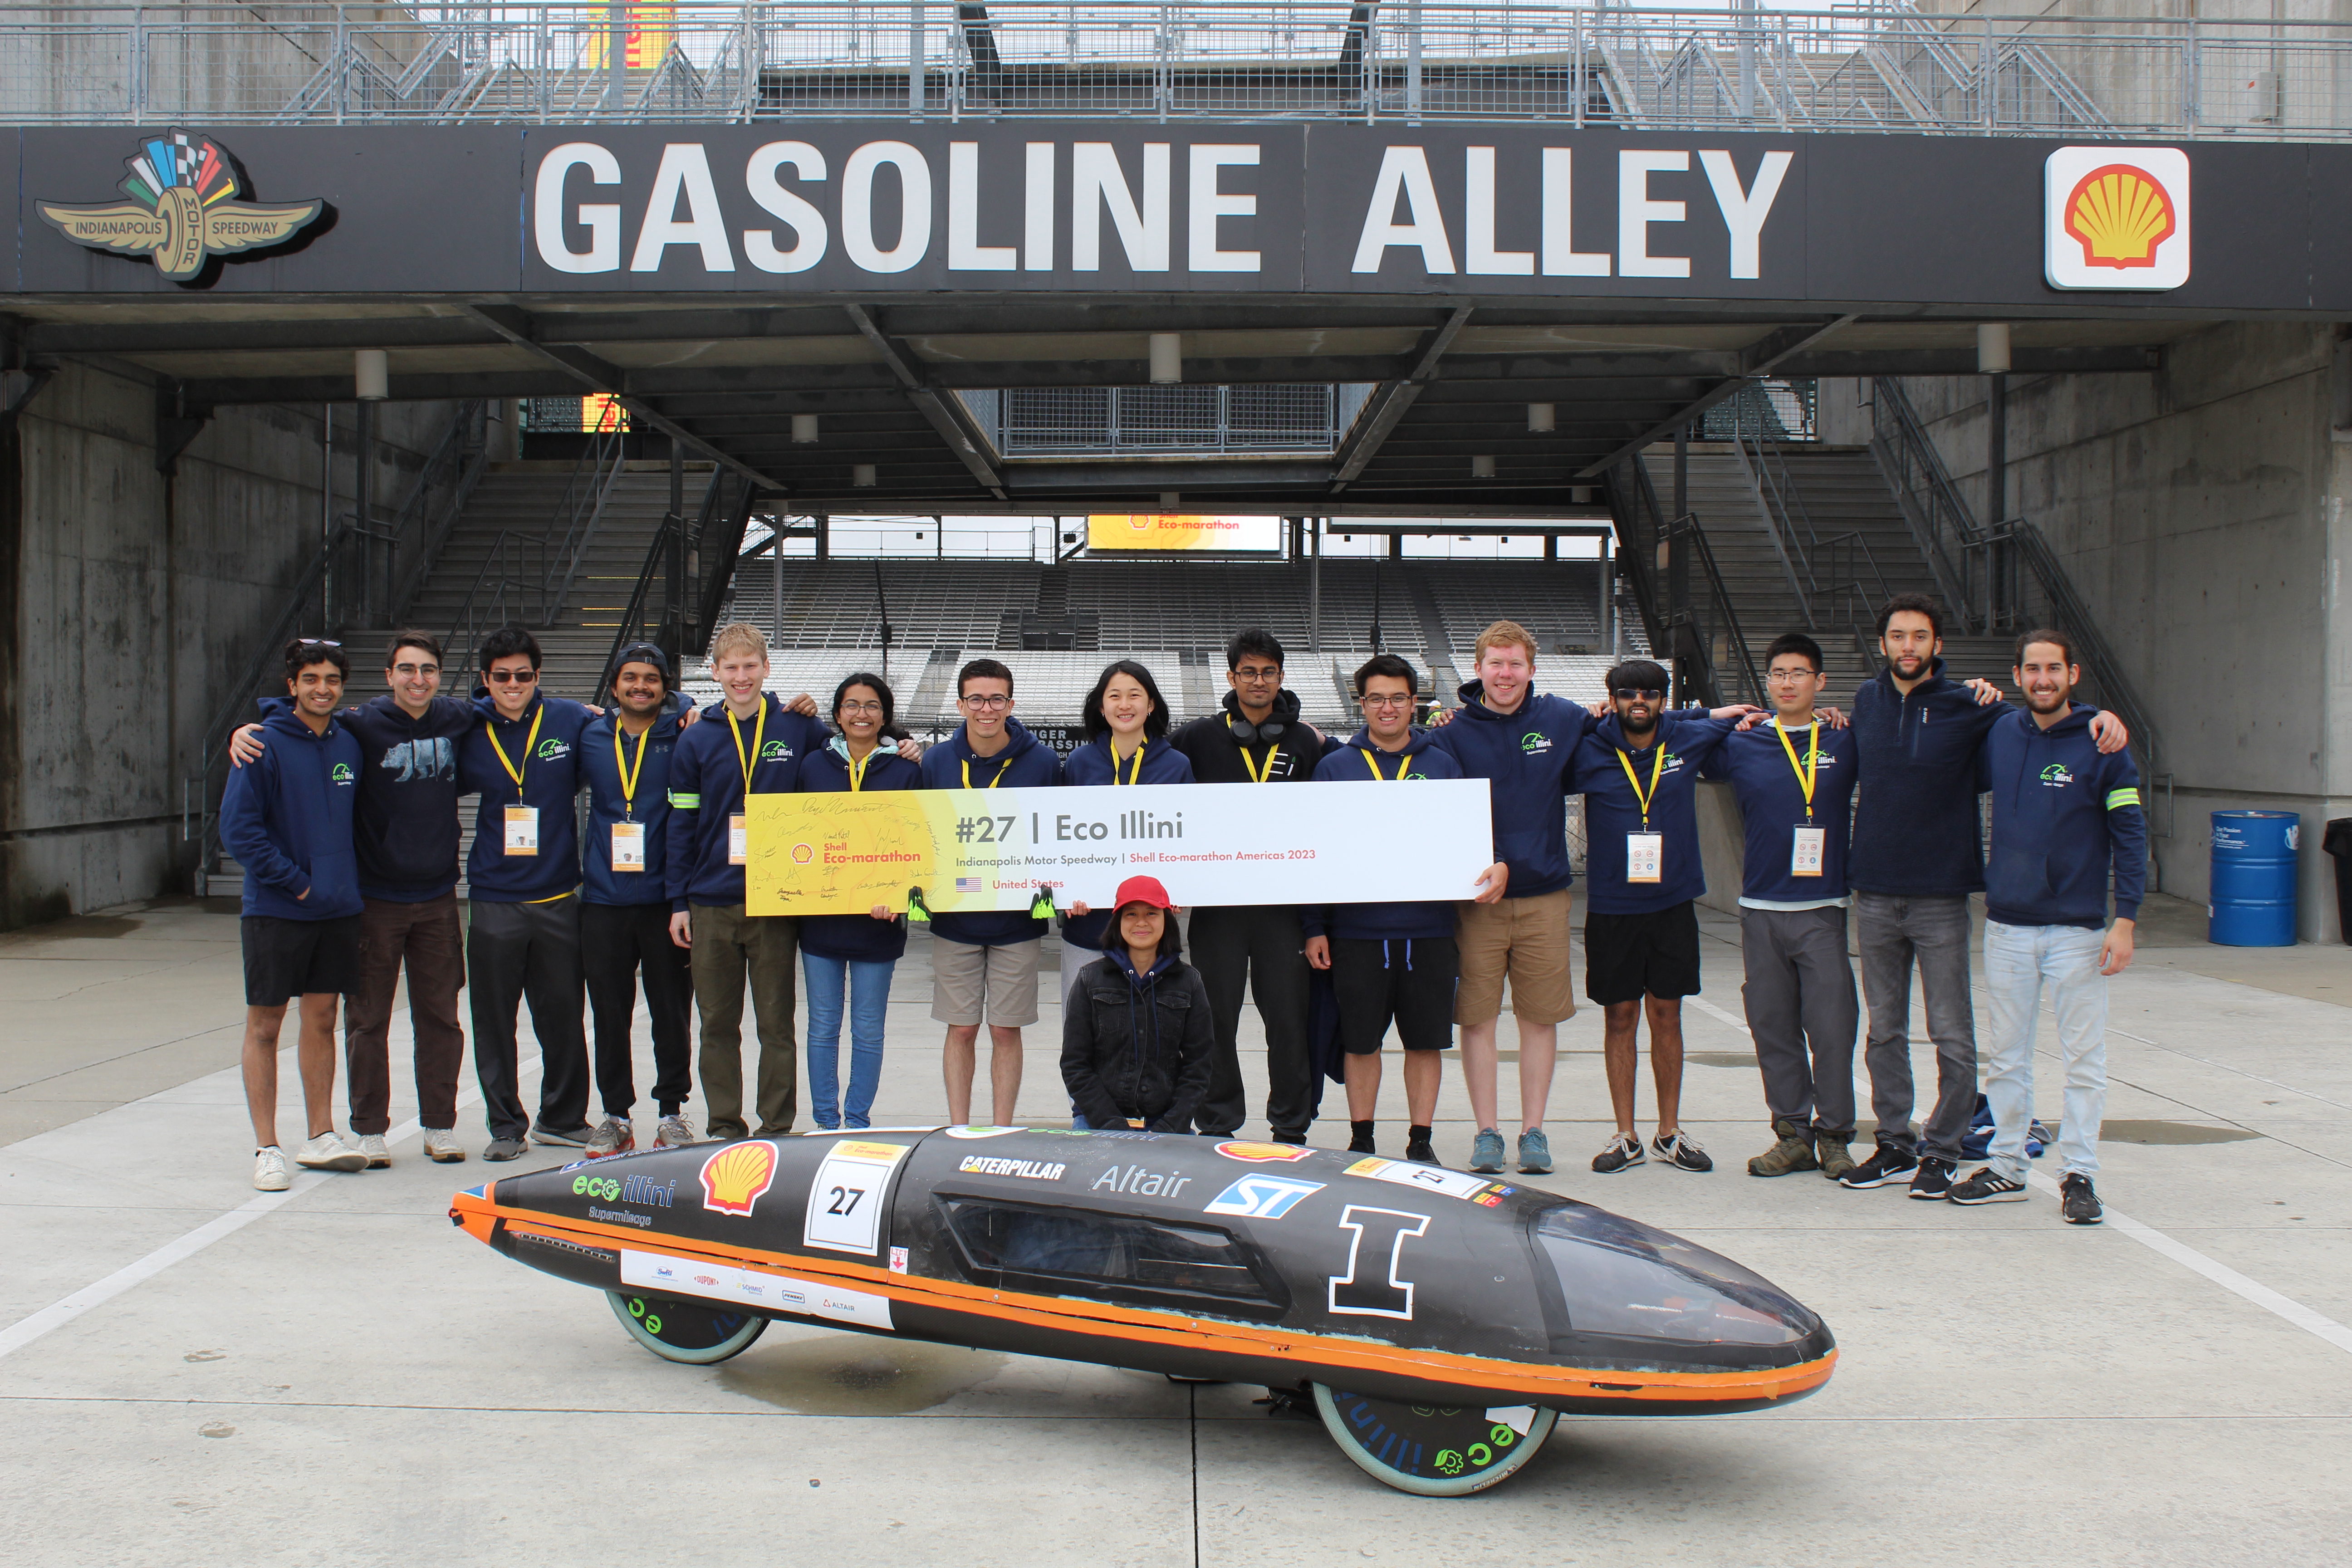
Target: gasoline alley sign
[{"x": 872, "y": 208}]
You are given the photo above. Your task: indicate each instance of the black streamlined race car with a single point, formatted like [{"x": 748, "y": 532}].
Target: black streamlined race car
[{"x": 1439, "y": 1322}]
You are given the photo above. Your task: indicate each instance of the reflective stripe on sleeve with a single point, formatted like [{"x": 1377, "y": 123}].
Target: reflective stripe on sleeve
[
  {"x": 685, "y": 802},
  {"x": 2122, "y": 797}
]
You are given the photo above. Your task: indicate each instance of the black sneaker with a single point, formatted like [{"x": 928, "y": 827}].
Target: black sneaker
[
  {"x": 1932, "y": 1183},
  {"x": 2078, "y": 1202},
  {"x": 1620, "y": 1151},
  {"x": 1680, "y": 1151},
  {"x": 1282, "y": 1137},
  {"x": 1986, "y": 1187},
  {"x": 1883, "y": 1168},
  {"x": 569, "y": 1137},
  {"x": 1420, "y": 1153},
  {"x": 1361, "y": 1144}
]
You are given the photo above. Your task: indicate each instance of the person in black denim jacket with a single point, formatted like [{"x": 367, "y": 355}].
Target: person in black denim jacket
[{"x": 1138, "y": 1052}]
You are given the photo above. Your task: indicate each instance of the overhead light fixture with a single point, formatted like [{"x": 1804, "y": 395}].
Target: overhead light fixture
[
  {"x": 1540, "y": 417},
  {"x": 1167, "y": 358},
  {"x": 1167, "y": 500},
  {"x": 1993, "y": 348},
  {"x": 1482, "y": 467},
  {"x": 861, "y": 476},
  {"x": 1507, "y": 539},
  {"x": 1582, "y": 495},
  {"x": 804, "y": 430},
  {"x": 370, "y": 375}
]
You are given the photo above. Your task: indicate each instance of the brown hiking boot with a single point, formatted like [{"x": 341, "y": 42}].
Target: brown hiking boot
[
  {"x": 1831, "y": 1153},
  {"x": 1793, "y": 1152}
]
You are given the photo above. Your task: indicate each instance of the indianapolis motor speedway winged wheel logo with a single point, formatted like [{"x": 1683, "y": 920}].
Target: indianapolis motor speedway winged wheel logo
[{"x": 182, "y": 209}]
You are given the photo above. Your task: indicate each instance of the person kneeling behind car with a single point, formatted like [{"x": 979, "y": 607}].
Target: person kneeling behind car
[{"x": 1136, "y": 1038}]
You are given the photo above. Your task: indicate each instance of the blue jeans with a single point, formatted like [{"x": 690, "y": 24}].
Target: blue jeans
[
  {"x": 869, "y": 985},
  {"x": 2019, "y": 963}
]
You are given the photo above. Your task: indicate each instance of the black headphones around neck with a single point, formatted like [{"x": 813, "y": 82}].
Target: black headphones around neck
[{"x": 1246, "y": 732}]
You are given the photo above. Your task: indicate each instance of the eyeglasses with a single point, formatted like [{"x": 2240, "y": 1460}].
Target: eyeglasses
[
  {"x": 1259, "y": 674},
  {"x": 519, "y": 677},
  {"x": 1789, "y": 677},
  {"x": 318, "y": 642},
  {"x": 1639, "y": 694},
  {"x": 1400, "y": 700},
  {"x": 865, "y": 708},
  {"x": 414, "y": 670},
  {"x": 987, "y": 705}
]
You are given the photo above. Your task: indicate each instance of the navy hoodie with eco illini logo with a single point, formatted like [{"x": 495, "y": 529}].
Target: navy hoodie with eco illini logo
[
  {"x": 1613, "y": 810},
  {"x": 706, "y": 788},
  {"x": 2063, "y": 814},
  {"x": 1914, "y": 815},
  {"x": 287, "y": 820},
  {"x": 1422, "y": 758},
  {"x": 1024, "y": 763},
  {"x": 550, "y": 765}
]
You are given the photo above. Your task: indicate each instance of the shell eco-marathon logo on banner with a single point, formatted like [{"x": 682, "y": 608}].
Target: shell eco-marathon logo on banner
[
  {"x": 182, "y": 210},
  {"x": 2115, "y": 217}
]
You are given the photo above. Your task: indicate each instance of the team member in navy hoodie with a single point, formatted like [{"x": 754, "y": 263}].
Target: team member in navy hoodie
[
  {"x": 1125, "y": 720},
  {"x": 1913, "y": 861},
  {"x": 1393, "y": 959},
  {"x": 523, "y": 881},
  {"x": 985, "y": 964},
  {"x": 2064, "y": 819},
  {"x": 625, "y": 912},
  {"x": 852, "y": 953},
  {"x": 1794, "y": 777},
  {"x": 1523, "y": 742},
  {"x": 287, "y": 819},
  {"x": 1639, "y": 772}
]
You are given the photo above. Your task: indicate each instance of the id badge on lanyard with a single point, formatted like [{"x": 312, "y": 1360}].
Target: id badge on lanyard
[
  {"x": 628, "y": 846},
  {"x": 1809, "y": 846},
  {"x": 738, "y": 839},
  {"x": 522, "y": 830},
  {"x": 1646, "y": 856}
]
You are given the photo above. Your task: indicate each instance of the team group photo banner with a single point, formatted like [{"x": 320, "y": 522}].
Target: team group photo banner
[{"x": 972, "y": 849}]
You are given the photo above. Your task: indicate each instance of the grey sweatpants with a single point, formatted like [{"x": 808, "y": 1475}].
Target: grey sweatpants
[
  {"x": 1894, "y": 931},
  {"x": 1801, "y": 1013}
]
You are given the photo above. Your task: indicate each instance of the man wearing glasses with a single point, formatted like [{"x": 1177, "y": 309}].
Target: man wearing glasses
[
  {"x": 523, "y": 881},
  {"x": 1394, "y": 960},
  {"x": 984, "y": 964}
]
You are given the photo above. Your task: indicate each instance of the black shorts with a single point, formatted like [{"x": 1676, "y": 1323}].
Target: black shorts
[
  {"x": 1628, "y": 957},
  {"x": 285, "y": 959},
  {"x": 1410, "y": 982}
]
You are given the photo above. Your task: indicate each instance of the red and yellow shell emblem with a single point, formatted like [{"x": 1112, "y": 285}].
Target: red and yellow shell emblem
[
  {"x": 1264, "y": 1153},
  {"x": 733, "y": 1178},
  {"x": 2119, "y": 213}
]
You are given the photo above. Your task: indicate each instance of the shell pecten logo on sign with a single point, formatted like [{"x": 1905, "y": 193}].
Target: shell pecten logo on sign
[{"x": 2115, "y": 217}]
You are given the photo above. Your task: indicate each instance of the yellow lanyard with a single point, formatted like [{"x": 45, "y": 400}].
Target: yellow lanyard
[
  {"x": 1256, "y": 773},
  {"x": 1135, "y": 774},
  {"x": 621, "y": 765},
  {"x": 856, "y": 768},
  {"x": 1001, "y": 770},
  {"x": 1657, "y": 765},
  {"x": 1811, "y": 767},
  {"x": 530, "y": 743},
  {"x": 758, "y": 731},
  {"x": 1402, "y": 763}
]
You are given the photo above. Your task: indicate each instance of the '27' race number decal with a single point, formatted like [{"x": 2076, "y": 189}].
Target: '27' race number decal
[
  {"x": 845, "y": 1198},
  {"x": 1376, "y": 1234}
]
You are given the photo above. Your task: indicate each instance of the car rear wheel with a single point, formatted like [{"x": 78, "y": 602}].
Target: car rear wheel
[
  {"x": 1429, "y": 1449},
  {"x": 688, "y": 1331}
]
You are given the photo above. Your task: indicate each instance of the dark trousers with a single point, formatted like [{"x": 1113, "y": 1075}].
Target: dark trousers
[
  {"x": 617, "y": 942},
  {"x": 516, "y": 952},
  {"x": 730, "y": 948},
  {"x": 429, "y": 938},
  {"x": 1261, "y": 948},
  {"x": 1802, "y": 1014},
  {"x": 1894, "y": 933}
]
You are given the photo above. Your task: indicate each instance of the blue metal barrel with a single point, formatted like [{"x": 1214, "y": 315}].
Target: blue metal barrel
[{"x": 2253, "y": 901}]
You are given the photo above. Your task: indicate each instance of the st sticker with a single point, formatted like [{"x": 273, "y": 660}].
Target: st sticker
[
  {"x": 1261, "y": 1197},
  {"x": 844, "y": 1205}
]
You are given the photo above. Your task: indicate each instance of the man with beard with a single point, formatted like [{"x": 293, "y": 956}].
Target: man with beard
[
  {"x": 1639, "y": 772},
  {"x": 1258, "y": 739},
  {"x": 1913, "y": 861},
  {"x": 2065, "y": 817}
]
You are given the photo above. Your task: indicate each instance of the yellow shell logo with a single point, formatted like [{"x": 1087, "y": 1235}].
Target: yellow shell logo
[
  {"x": 2120, "y": 214},
  {"x": 734, "y": 1179},
  {"x": 1262, "y": 1154}
]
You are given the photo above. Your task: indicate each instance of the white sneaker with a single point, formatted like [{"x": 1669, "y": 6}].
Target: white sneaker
[
  {"x": 328, "y": 1153},
  {"x": 269, "y": 1170},
  {"x": 674, "y": 1132},
  {"x": 379, "y": 1158},
  {"x": 441, "y": 1145}
]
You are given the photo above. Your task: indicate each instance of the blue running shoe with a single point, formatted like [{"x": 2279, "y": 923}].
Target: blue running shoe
[
  {"x": 1535, "y": 1153},
  {"x": 1486, "y": 1152}
]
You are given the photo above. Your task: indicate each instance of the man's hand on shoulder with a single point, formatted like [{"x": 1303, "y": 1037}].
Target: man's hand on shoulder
[
  {"x": 911, "y": 748},
  {"x": 1833, "y": 717},
  {"x": 1438, "y": 718},
  {"x": 2112, "y": 735},
  {"x": 1736, "y": 710},
  {"x": 246, "y": 745},
  {"x": 802, "y": 704},
  {"x": 1987, "y": 692}
]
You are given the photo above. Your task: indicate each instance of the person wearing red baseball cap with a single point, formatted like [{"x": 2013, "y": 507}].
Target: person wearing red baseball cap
[{"x": 1136, "y": 1038}]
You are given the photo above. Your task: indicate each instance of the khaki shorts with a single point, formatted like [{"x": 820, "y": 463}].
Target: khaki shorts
[
  {"x": 1525, "y": 939},
  {"x": 964, "y": 977}
]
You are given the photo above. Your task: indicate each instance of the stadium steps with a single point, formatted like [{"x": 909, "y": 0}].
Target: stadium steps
[
  {"x": 934, "y": 690},
  {"x": 1436, "y": 641}
]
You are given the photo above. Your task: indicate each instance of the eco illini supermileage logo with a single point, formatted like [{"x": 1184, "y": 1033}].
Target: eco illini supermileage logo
[{"x": 182, "y": 209}]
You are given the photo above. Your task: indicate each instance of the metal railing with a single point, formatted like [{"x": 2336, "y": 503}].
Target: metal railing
[
  {"x": 419, "y": 527},
  {"x": 1939, "y": 518},
  {"x": 1827, "y": 573},
  {"x": 1689, "y": 612},
  {"x": 1876, "y": 66},
  {"x": 673, "y": 570},
  {"x": 526, "y": 577}
]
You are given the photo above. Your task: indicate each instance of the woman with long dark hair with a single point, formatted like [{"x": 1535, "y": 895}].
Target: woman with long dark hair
[
  {"x": 1126, "y": 725},
  {"x": 852, "y": 953}
]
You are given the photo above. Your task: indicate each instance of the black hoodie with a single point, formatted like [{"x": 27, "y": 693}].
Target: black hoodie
[{"x": 1218, "y": 758}]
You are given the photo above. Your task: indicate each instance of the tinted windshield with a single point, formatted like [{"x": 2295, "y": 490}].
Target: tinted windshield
[{"x": 1620, "y": 1277}]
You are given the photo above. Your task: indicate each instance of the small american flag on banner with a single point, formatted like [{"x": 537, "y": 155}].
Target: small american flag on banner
[{"x": 967, "y": 884}]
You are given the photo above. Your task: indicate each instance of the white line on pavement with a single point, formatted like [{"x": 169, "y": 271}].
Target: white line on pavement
[
  {"x": 58, "y": 1313},
  {"x": 2147, "y": 1236}
]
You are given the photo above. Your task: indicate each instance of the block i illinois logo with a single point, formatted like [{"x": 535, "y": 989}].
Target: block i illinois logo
[{"x": 183, "y": 209}]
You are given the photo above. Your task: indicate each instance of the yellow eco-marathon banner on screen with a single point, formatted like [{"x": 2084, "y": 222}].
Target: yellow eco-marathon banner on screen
[
  {"x": 1169, "y": 530},
  {"x": 1208, "y": 844}
]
